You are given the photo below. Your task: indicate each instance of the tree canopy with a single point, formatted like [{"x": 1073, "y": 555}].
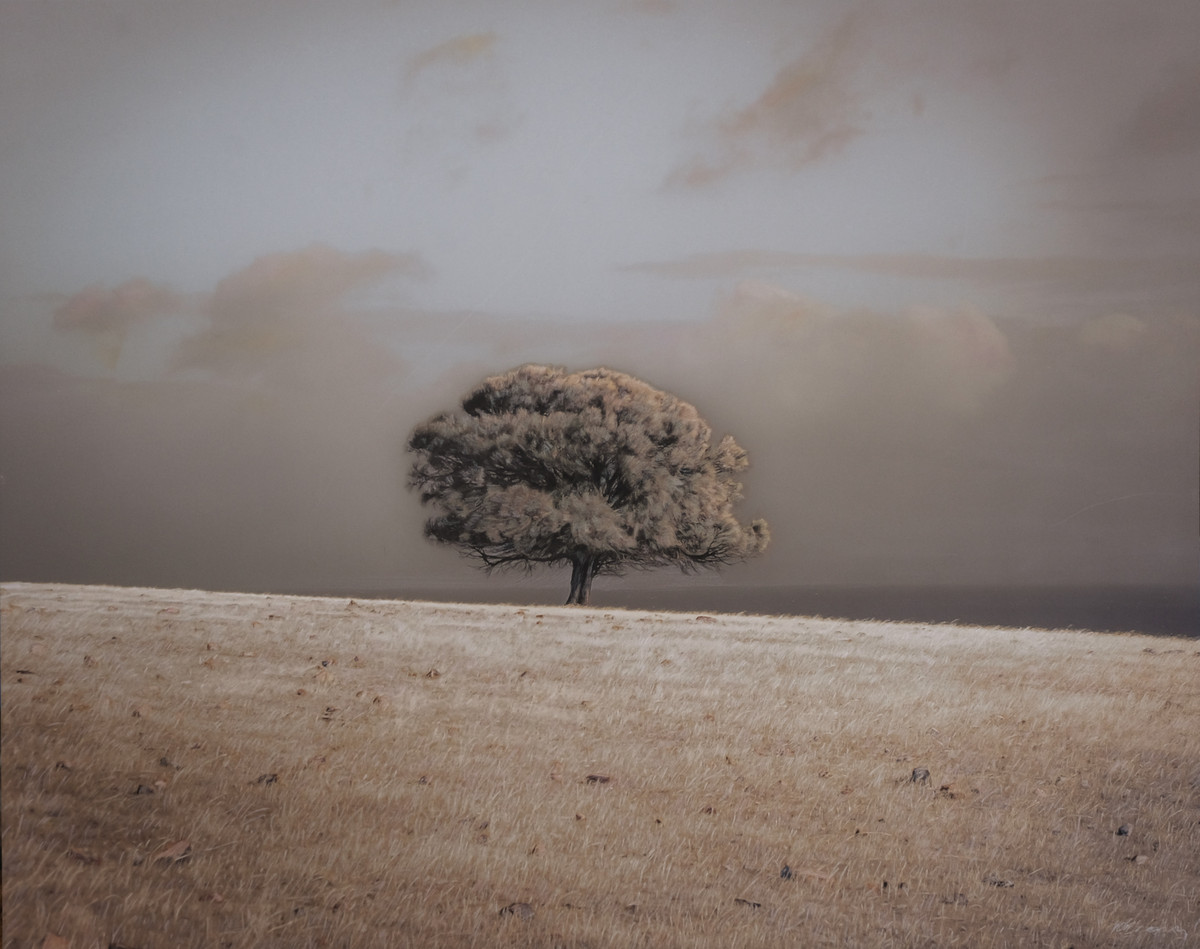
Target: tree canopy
[{"x": 595, "y": 469}]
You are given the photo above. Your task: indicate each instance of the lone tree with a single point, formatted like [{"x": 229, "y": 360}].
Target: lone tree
[{"x": 594, "y": 469}]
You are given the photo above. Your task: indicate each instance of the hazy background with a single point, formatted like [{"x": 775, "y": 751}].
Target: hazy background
[{"x": 935, "y": 265}]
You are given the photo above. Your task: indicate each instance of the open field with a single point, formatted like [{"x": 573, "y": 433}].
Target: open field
[{"x": 201, "y": 769}]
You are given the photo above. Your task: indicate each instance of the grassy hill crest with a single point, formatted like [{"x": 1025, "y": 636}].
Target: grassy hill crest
[{"x": 211, "y": 769}]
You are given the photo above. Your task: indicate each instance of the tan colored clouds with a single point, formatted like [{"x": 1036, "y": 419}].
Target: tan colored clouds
[
  {"x": 99, "y": 310},
  {"x": 458, "y": 51},
  {"x": 920, "y": 444},
  {"x": 819, "y": 360},
  {"x": 811, "y": 110},
  {"x": 286, "y": 317},
  {"x": 943, "y": 444},
  {"x": 305, "y": 280},
  {"x": 266, "y": 456},
  {"x": 108, "y": 315},
  {"x": 462, "y": 94}
]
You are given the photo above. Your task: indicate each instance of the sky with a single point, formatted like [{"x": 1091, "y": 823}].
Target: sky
[{"x": 935, "y": 265}]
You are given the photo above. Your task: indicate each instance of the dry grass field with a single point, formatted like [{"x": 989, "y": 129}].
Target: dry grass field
[{"x": 219, "y": 770}]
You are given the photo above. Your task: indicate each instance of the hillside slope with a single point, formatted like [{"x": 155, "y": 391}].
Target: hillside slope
[{"x": 191, "y": 768}]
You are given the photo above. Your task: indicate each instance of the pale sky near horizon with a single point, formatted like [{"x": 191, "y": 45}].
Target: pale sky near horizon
[{"x": 935, "y": 264}]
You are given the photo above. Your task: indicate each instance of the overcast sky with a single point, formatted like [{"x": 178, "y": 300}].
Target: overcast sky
[{"x": 935, "y": 265}]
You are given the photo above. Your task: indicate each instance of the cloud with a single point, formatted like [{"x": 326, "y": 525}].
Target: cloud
[
  {"x": 277, "y": 284},
  {"x": 108, "y": 316},
  {"x": 455, "y": 53},
  {"x": 943, "y": 445},
  {"x": 1053, "y": 283},
  {"x": 269, "y": 457},
  {"x": 458, "y": 101},
  {"x": 923, "y": 445},
  {"x": 812, "y": 109},
  {"x": 893, "y": 368},
  {"x": 1087, "y": 112},
  {"x": 285, "y": 317},
  {"x": 932, "y": 444},
  {"x": 100, "y": 310}
]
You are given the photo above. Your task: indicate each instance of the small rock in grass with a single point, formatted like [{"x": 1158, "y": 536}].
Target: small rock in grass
[{"x": 520, "y": 910}]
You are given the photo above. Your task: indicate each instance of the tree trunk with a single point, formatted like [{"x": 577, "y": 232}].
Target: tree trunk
[{"x": 583, "y": 568}]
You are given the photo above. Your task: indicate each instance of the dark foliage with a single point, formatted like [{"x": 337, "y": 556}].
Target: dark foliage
[{"x": 594, "y": 469}]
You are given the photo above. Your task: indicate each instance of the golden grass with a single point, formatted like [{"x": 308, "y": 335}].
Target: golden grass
[{"x": 320, "y": 772}]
